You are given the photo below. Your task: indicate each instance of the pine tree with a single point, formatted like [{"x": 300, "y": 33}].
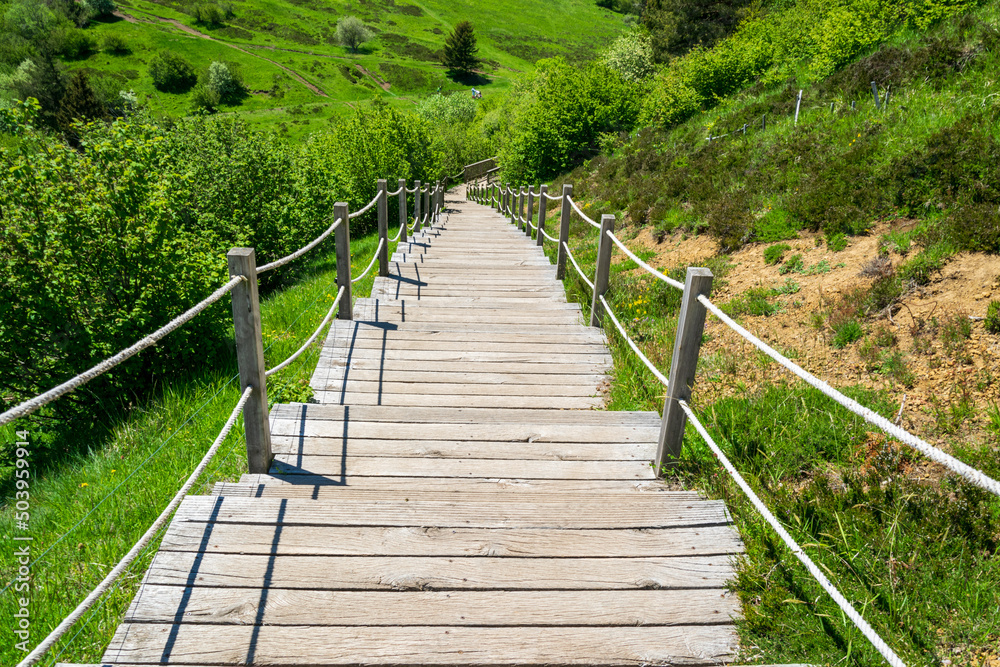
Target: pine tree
[{"x": 460, "y": 49}]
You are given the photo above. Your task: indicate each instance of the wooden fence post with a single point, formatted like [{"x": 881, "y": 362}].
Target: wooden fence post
[
  {"x": 687, "y": 343},
  {"x": 342, "y": 242},
  {"x": 402, "y": 210},
  {"x": 878, "y": 104},
  {"x": 250, "y": 357},
  {"x": 416, "y": 205},
  {"x": 521, "y": 196},
  {"x": 563, "y": 232},
  {"x": 383, "y": 227},
  {"x": 428, "y": 211},
  {"x": 531, "y": 210},
  {"x": 542, "y": 190},
  {"x": 603, "y": 269}
]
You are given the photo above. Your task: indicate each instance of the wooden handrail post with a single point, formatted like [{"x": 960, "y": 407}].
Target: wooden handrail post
[
  {"x": 416, "y": 205},
  {"x": 531, "y": 210},
  {"x": 542, "y": 191},
  {"x": 563, "y": 232},
  {"x": 521, "y": 220},
  {"x": 603, "y": 272},
  {"x": 342, "y": 242},
  {"x": 440, "y": 202},
  {"x": 687, "y": 343},
  {"x": 402, "y": 210},
  {"x": 250, "y": 357},
  {"x": 383, "y": 227},
  {"x": 427, "y": 206}
]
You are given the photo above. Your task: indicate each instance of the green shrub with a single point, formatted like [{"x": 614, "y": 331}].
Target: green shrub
[
  {"x": 894, "y": 365},
  {"x": 730, "y": 221},
  {"x": 848, "y": 332},
  {"x": 993, "y": 317},
  {"x": 171, "y": 72},
  {"x": 755, "y": 301},
  {"x": 205, "y": 98},
  {"x": 631, "y": 56},
  {"x": 75, "y": 44},
  {"x": 102, "y": 7},
  {"x": 775, "y": 253},
  {"x": 794, "y": 263},
  {"x": 924, "y": 265},
  {"x": 836, "y": 242},
  {"x": 352, "y": 32},
  {"x": 223, "y": 82},
  {"x": 776, "y": 225},
  {"x": 115, "y": 44}
]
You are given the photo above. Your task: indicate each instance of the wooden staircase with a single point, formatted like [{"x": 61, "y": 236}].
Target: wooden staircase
[{"x": 454, "y": 497}]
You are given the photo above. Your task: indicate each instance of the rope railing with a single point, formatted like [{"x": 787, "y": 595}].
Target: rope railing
[
  {"x": 364, "y": 209},
  {"x": 582, "y": 214},
  {"x": 398, "y": 233},
  {"x": 969, "y": 473},
  {"x": 371, "y": 263},
  {"x": 551, "y": 198},
  {"x": 61, "y": 629},
  {"x": 301, "y": 251},
  {"x": 848, "y": 609},
  {"x": 631, "y": 343},
  {"x": 550, "y": 238},
  {"x": 572, "y": 259},
  {"x": 397, "y": 192},
  {"x": 28, "y": 407},
  {"x": 312, "y": 339},
  {"x": 631, "y": 255}
]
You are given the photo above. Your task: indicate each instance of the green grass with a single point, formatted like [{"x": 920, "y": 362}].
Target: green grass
[
  {"x": 299, "y": 36},
  {"x": 88, "y": 510}
]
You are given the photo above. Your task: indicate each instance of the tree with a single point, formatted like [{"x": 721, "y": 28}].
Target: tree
[
  {"x": 460, "y": 49},
  {"x": 221, "y": 79},
  {"x": 80, "y": 102},
  {"x": 171, "y": 73},
  {"x": 631, "y": 55},
  {"x": 352, "y": 33}
]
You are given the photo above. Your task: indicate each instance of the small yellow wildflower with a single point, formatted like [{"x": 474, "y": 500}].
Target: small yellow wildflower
[
  {"x": 113, "y": 470},
  {"x": 84, "y": 484}
]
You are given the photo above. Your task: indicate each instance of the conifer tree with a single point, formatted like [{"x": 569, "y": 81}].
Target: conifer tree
[{"x": 460, "y": 49}]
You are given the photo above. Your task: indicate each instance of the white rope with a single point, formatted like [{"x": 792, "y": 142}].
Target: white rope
[
  {"x": 29, "y": 406},
  {"x": 581, "y": 214},
  {"x": 301, "y": 251},
  {"x": 649, "y": 364},
  {"x": 631, "y": 255},
  {"x": 371, "y": 263},
  {"x": 577, "y": 266},
  {"x": 530, "y": 224},
  {"x": 933, "y": 453},
  {"x": 550, "y": 197},
  {"x": 862, "y": 625},
  {"x": 414, "y": 225},
  {"x": 365, "y": 209},
  {"x": 312, "y": 339},
  {"x": 411, "y": 190},
  {"x": 393, "y": 194},
  {"x": 399, "y": 233},
  {"x": 123, "y": 564},
  {"x": 551, "y": 238}
]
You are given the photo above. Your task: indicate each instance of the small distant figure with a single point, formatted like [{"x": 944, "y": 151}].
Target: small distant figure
[
  {"x": 476, "y": 94},
  {"x": 439, "y": 90}
]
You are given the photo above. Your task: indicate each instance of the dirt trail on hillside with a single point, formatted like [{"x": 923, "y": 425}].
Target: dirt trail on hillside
[
  {"x": 943, "y": 378},
  {"x": 196, "y": 33}
]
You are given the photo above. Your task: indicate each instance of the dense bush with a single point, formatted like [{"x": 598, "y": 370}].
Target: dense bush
[
  {"x": 171, "y": 72},
  {"x": 631, "y": 56}
]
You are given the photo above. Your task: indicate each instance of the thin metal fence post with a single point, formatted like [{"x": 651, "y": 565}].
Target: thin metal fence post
[
  {"x": 798, "y": 103},
  {"x": 342, "y": 241},
  {"x": 563, "y": 232},
  {"x": 878, "y": 103},
  {"x": 542, "y": 190},
  {"x": 250, "y": 357},
  {"x": 402, "y": 210},
  {"x": 416, "y": 206},
  {"x": 531, "y": 210},
  {"x": 603, "y": 270},
  {"x": 383, "y": 227},
  {"x": 687, "y": 343}
]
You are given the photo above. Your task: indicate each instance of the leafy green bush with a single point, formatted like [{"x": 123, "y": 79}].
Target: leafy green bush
[
  {"x": 631, "y": 56},
  {"x": 115, "y": 44},
  {"x": 102, "y": 7},
  {"x": 171, "y": 72},
  {"x": 775, "y": 253},
  {"x": 225, "y": 83},
  {"x": 836, "y": 242},
  {"x": 447, "y": 109},
  {"x": 794, "y": 263},
  {"x": 776, "y": 225},
  {"x": 755, "y": 301},
  {"x": 352, "y": 32},
  {"x": 993, "y": 317}
]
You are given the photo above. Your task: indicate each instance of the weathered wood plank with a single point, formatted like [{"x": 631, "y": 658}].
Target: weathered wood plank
[
  {"x": 242, "y": 606},
  {"x": 572, "y": 451},
  {"x": 388, "y": 398},
  {"x": 438, "y": 416},
  {"x": 407, "y": 365},
  {"x": 472, "y": 647},
  {"x": 469, "y": 352},
  {"x": 177, "y": 568},
  {"x": 426, "y": 389},
  {"x": 337, "y": 373},
  {"x": 490, "y": 485}
]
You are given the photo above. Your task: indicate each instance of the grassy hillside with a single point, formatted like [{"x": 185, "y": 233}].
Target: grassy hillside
[{"x": 299, "y": 77}]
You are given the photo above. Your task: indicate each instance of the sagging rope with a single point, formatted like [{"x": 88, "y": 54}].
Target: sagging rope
[
  {"x": 312, "y": 339},
  {"x": 550, "y": 197},
  {"x": 635, "y": 348},
  {"x": 366, "y": 208},
  {"x": 301, "y": 251},
  {"x": 398, "y": 233},
  {"x": 397, "y": 192},
  {"x": 581, "y": 214},
  {"x": 845, "y": 606},
  {"x": 381, "y": 242},
  {"x": 670, "y": 281},
  {"x": 29, "y": 406},
  {"x": 933, "y": 453},
  {"x": 551, "y": 238},
  {"x": 123, "y": 564},
  {"x": 577, "y": 266}
]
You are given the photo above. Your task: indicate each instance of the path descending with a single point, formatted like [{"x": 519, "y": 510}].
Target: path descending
[{"x": 452, "y": 499}]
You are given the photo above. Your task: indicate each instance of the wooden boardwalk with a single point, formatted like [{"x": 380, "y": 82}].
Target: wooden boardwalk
[{"x": 452, "y": 499}]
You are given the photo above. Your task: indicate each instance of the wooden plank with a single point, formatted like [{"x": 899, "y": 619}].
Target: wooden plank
[
  {"x": 451, "y": 377},
  {"x": 429, "y": 541},
  {"x": 418, "y": 467},
  {"x": 319, "y": 485},
  {"x": 424, "y": 389},
  {"x": 404, "y": 398},
  {"x": 498, "y": 432},
  {"x": 344, "y": 332},
  {"x": 415, "y": 365},
  {"x": 241, "y": 606},
  {"x": 177, "y": 568},
  {"x": 296, "y": 645},
  {"x": 641, "y": 511},
  {"x": 468, "y": 352},
  {"x": 440, "y": 416},
  {"x": 573, "y": 451}
]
